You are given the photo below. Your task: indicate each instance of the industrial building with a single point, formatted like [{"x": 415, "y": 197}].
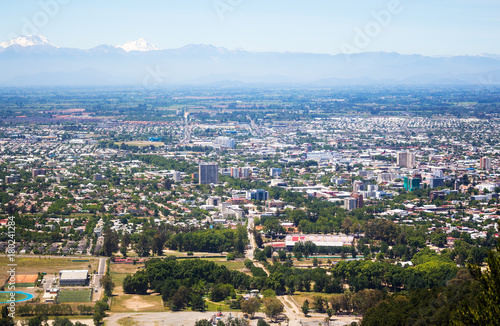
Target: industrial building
[{"x": 73, "y": 277}]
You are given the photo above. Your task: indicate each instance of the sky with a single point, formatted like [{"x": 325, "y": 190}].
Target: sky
[{"x": 428, "y": 27}]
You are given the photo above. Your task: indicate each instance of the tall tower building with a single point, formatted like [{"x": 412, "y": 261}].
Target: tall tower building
[
  {"x": 406, "y": 160},
  {"x": 485, "y": 163},
  {"x": 235, "y": 172},
  {"x": 208, "y": 173}
]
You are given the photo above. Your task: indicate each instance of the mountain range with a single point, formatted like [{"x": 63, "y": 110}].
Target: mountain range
[{"x": 35, "y": 61}]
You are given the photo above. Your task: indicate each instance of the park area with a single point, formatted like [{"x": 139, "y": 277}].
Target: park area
[
  {"x": 121, "y": 302},
  {"x": 78, "y": 296}
]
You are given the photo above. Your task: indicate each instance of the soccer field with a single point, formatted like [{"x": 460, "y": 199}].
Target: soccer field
[{"x": 74, "y": 296}]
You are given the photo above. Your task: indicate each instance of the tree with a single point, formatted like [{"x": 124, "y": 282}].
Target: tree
[
  {"x": 282, "y": 255},
  {"x": 438, "y": 239},
  {"x": 107, "y": 283},
  {"x": 272, "y": 307},
  {"x": 158, "y": 243},
  {"x": 136, "y": 284},
  {"x": 98, "y": 318},
  {"x": 40, "y": 320},
  {"x": 305, "y": 307},
  {"x": 203, "y": 322},
  {"x": 110, "y": 244},
  {"x": 318, "y": 304},
  {"x": 259, "y": 255},
  {"x": 143, "y": 246},
  {"x": 198, "y": 303},
  {"x": 250, "y": 306},
  {"x": 262, "y": 322},
  {"x": 5, "y": 318},
  {"x": 180, "y": 299},
  {"x": 269, "y": 293},
  {"x": 486, "y": 308}
]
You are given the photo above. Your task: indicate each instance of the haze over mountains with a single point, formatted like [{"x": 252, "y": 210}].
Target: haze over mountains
[{"x": 34, "y": 61}]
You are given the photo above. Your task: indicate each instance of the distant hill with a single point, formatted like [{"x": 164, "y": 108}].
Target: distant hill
[{"x": 34, "y": 61}]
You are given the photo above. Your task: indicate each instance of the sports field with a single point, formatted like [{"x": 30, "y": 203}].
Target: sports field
[
  {"x": 25, "y": 280},
  {"x": 20, "y": 296},
  {"x": 74, "y": 296}
]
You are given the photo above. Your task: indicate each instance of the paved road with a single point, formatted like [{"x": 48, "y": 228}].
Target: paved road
[
  {"x": 185, "y": 318},
  {"x": 101, "y": 270}
]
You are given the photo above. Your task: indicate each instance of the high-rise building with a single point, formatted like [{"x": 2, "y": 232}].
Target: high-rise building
[
  {"x": 258, "y": 194},
  {"x": 245, "y": 172},
  {"x": 13, "y": 178},
  {"x": 485, "y": 163},
  {"x": 235, "y": 172},
  {"x": 386, "y": 177},
  {"x": 208, "y": 173},
  {"x": 275, "y": 172},
  {"x": 406, "y": 160},
  {"x": 412, "y": 183},
  {"x": 176, "y": 176},
  {"x": 36, "y": 172},
  {"x": 350, "y": 203},
  {"x": 436, "y": 182},
  {"x": 213, "y": 201},
  {"x": 439, "y": 174},
  {"x": 358, "y": 186},
  {"x": 225, "y": 142},
  {"x": 359, "y": 199}
]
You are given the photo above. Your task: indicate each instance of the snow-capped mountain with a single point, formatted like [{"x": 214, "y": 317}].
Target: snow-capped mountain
[
  {"x": 28, "y": 40},
  {"x": 138, "y": 45},
  {"x": 32, "y": 61}
]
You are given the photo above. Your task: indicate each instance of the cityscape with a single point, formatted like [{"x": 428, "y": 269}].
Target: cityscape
[{"x": 259, "y": 181}]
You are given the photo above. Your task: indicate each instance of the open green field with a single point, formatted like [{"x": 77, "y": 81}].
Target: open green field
[
  {"x": 25, "y": 285},
  {"x": 74, "y": 296},
  {"x": 32, "y": 265},
  {"x": 231, "y": 265},
  {"x": 301, "y": 297},
  {"x": 4, "y": 297},
  {"x": 218, "y": 306}
]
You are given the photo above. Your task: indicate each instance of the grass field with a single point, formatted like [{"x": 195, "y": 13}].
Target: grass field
[
  {"x": 74, "y": 296},
  {"x": 231, "y": 265},
  {"x": 29, "y": 265},
  {"x": 218, "y": 306},
  {"x": 300, "y": 297},
  {"x": 4, "y": 297}
]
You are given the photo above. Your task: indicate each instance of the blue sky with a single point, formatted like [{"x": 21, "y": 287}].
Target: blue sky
[{"x": 429, "y": 27}]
